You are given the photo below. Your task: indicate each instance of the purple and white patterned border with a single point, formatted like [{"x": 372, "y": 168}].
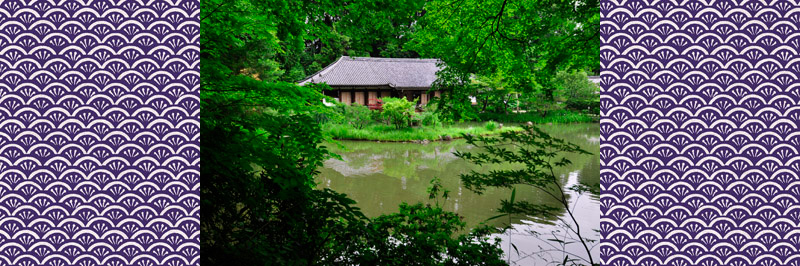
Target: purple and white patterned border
[
  {"x": 99, "y": 133},
  {"x": 700, "y": 138}
]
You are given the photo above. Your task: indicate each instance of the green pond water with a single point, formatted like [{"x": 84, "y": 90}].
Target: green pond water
[{"x": 380, "y": 176}]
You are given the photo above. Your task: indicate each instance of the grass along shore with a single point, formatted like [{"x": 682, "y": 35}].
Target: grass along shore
[
  {"x": 421, "y": 133},
  {"x": 555, "y": 117},
  {"x": 375, "y": 128}
]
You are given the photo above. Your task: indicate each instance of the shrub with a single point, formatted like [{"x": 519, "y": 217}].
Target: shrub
[
  {"x": 491, "y": 125},
  {"x": 576, "y": 90},
  {"x": 398, "y": 111},
  {"x": 429, "y": 119},
  {"x": 358, "y": 115},
  {"x": 574, "y": 84},
  {"x": 321, "y": 118},
  {"x": 378, "y": 117},
  {"x": 333, "y": 114},
  {"x": 537, "y": 102},
  {"x": 425, "y": 234},
  {"x": 336, "y": 114},
  {"x": 591, "y": 106}
]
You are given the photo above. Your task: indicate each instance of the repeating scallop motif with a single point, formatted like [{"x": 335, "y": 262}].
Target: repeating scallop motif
[
  {"x": 99, "y": 142},
  {"x": 700, "y": 138}
]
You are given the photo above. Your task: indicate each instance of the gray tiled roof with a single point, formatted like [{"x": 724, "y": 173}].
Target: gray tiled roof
[{"x": 374, "y": 71}]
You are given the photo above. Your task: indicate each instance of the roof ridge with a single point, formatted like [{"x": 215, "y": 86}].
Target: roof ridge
[{"x": 389, "y": 59}]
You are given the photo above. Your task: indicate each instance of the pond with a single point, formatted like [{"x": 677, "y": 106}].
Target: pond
[{"x": 381, "y": 175}]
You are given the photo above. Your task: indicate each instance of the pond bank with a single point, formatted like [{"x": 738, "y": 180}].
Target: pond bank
[
  {"x": 419, "y": 134},
  {"x": 553, "y": 116}
]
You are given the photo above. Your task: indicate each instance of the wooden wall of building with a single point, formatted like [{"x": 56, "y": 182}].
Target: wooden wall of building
[
  {"x": 361, "y": 95},
  {"x": 359, "y": 98},
  {"x": 372, "y": 95},
  {"x": 345, "y": 97}
]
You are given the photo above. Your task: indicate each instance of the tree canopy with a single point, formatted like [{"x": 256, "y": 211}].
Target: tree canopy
[{"x": 526, "y": 42}]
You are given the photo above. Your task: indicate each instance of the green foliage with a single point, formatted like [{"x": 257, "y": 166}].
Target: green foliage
[
  {"x": 433, "y": 190},
  {"x": 493, "y": 95},
  {"x": 259, "y": 156},
  {"x": 424, "y": 235},
  {"x": 555, "y": 117},
  {"x": 429, "y": 118},
  {"x": 332, "y": 28},
  {"x": 536, "y": 154},
  {"x": 526, "y": 41},
  {"x": 247, "y": 36},
  {"x": 378, "y": 117},
  {"x": 496, "y": 102},
  {"x": 290, "y": 39},
  {"x": 390, "y": 133},
  {"x": 454, "y": 105},
  {"x": 508, "y": 47},
  {"x": 575, "y": 86},
  {"x": 577, "y": 92},
  {"x": 399, "y": 111},
  {"x": 391, "y": 26},
  {"x": 260, "y": 148},
  {"x": 491, "y": 125},
  {"x": 591, "y": 106},
  {"x": 358, "y": 115}
]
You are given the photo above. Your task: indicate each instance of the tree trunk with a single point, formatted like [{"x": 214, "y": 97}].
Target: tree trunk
[
  {"x": 485, "y": 102},
  {"x": 505, "y": 103}
]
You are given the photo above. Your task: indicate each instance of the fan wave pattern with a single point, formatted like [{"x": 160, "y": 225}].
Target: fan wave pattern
[
  {"x": 99, "y": 133},
  {"x": 699, "y": 150}
]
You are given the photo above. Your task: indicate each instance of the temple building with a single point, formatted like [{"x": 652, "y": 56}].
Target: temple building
[{"x": 363, "y": 80}]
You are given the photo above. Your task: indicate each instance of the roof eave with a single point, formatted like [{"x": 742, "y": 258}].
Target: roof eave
[
  {"x": 362, "y": 85},
  {"x": 309, "y": 78},
  {"x": 413, "y": 88}
]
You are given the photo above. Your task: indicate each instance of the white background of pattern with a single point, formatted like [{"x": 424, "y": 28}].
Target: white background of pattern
[
  {"x": 99, "y": 159},
  {"x": 700, "y": 138}
]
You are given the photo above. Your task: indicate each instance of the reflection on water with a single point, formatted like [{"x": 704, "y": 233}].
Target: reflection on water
[{"x": 380, "y": 176}]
